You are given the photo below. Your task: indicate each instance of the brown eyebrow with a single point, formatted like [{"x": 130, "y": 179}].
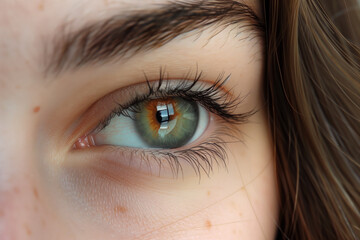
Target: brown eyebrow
[{"x": 143, "y": 30}]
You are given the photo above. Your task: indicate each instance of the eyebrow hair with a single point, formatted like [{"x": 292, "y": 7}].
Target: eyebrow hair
[{"x": 143, "y": 30}]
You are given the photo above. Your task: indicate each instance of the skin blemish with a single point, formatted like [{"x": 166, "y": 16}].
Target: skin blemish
[
  {"x": 120, "y": 209},
  {"x": 27, "y": 230},
  {"x": 208, "y": 224},
  {"x": 41, "y": 6},
  {"x": 36, "y": 193},
  {"x": 16, "y": 190},
  {"x": 36, "y": 109},
  {"x": 208, "y": 193},
  {"x": 1, "y": 213}
]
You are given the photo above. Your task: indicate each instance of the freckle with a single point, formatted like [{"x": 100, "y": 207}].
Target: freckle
[
  {"x": 41, "y": 6},
  {"x": 35, "y": 208},
  {"x": 208, "y": 224},
  {"x": 36, "y": 194},
  {"x": 240, "y": 214},
  {"x": 120, "y": 209},
  {"x": 16, "y": 190},
  {"x": 1, "y": 213},
  {"x": 208, "y": 193},
  {"x": 28, "y": 230},
  {"x": 36, "y": 109},
  {"x": 43, "y": 223}
]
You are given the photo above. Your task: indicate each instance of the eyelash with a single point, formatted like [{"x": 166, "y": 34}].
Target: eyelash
[{"x": 203, "y": 156}]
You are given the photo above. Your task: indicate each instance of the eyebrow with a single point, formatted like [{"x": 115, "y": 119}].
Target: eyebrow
[{"x": 118, "y": 35}]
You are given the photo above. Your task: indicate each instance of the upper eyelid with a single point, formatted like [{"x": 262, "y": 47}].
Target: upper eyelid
[{"x": 207, "y": 95}]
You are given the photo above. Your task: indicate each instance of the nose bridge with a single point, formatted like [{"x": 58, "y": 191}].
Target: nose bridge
[
  {"x": 20, "y": 205},
  {"x": 18, "y": 210},
  {"x": 22, "y": 208},
  {"x": 13, "y": 215},
  {"x": 20, "y": 197}
]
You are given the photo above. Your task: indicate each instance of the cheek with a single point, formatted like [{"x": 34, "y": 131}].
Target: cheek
[
  {"x": 24, "y": 213},
  {"x": 263, "y": 201},
  {"x": 238, "y": 203},
  {"x": 257, "y": 200}
]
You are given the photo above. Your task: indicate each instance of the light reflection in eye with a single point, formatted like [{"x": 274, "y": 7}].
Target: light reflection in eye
[{"x": 158, "y": 123}]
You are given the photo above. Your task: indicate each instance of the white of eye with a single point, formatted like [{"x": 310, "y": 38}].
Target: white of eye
[{"x": 121, "y": 131}]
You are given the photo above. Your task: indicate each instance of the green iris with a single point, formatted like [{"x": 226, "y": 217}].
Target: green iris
[{"x": 167, "y": 123}]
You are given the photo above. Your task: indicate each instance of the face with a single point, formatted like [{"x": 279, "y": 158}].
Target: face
[{"x": 134, "y": 120}]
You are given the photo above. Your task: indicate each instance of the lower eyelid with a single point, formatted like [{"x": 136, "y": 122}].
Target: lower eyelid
[{"x": 122, "y": 163}]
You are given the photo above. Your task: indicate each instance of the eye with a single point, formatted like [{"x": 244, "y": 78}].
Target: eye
[
  {"x": 168, "y": 124},
  {"x": 157, "y": 123}
]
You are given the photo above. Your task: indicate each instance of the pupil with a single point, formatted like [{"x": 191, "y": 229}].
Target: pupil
[
  {"x": 162, "y": 113},
  {"x": 158, "y": 117}
]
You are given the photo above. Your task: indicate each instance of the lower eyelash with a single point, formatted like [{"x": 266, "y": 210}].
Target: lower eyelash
[{"x": 202, "y": 158}]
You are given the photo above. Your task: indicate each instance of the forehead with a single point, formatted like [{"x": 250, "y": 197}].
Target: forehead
[{"x": 24, "y": 24}]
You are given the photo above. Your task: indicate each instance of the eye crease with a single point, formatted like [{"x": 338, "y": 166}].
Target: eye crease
[{"x": 175, "y": 121}]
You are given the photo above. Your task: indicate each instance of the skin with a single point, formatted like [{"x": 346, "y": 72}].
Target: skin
[{"x": 48, "y": 191}]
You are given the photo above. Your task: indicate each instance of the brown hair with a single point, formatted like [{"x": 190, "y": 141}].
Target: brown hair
[{"x": 313, "y": 94}]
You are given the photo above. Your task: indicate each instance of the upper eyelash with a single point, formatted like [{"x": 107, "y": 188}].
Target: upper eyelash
[{"x": 213, "y": 98}]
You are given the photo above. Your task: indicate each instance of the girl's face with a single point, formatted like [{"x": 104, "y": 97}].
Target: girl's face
[{"x": 124, "y": 119}]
